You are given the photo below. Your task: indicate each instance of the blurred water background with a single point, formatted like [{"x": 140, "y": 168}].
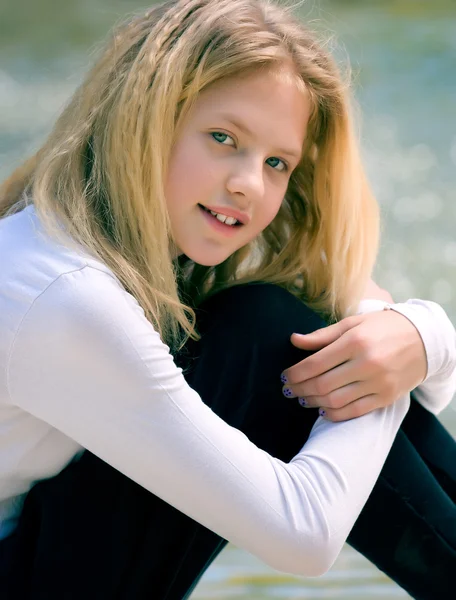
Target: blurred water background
[{"x": 403, "y": 55}]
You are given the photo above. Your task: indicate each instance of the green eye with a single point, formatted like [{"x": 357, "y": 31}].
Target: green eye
[
  {"x": 279, "y": 161},
  {"x": 218, "y": 134}
]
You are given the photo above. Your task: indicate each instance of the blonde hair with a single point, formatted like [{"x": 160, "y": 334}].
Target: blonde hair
[{"x": 101, "y": 171}]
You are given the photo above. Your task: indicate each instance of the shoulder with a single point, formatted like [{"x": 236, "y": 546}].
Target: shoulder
[
  {"x": 84, "y": 299},
  {"x": 41, "y": 271}
]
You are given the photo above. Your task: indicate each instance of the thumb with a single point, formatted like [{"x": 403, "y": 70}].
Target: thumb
[{"x": 317, "y": 339}]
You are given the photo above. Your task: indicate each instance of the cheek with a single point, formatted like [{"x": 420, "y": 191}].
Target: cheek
[
  {"x": 268, "y": 211},
  {"x": 189, "y": 173}
]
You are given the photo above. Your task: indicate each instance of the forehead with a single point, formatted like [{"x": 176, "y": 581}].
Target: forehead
[{"x": 273, "y": 105}]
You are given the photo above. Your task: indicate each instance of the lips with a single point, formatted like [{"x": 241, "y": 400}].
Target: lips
[
  {"x": 228, "y": 224},
  {"x": 243, "y": 218},
  {"x": 216, "y": 225}
]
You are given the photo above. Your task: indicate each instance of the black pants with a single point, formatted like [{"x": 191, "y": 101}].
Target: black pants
[{"x": 91, "y": 533}]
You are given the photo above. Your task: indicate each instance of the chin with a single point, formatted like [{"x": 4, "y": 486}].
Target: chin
[{"x": 207, "y": 258}]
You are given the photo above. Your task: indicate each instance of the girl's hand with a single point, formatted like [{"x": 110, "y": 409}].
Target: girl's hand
[{"x": 362, "y": 363}]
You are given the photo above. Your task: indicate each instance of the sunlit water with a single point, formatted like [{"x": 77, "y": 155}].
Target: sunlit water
[{"x": 404, "y": 58}]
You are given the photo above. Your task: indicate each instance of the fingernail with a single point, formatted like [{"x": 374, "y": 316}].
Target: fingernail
[
  {"x": 287, "y": 392},
  {"x": 302, "y": 401},
  {"x": 321, "y": 412},
  {"x": 283, "y": 378}
]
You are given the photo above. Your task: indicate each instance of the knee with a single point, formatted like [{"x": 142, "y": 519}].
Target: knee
[{"x": 257, "y": 310}]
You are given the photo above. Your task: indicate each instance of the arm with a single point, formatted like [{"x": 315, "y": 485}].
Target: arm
[{"x": 86, "y": 361}]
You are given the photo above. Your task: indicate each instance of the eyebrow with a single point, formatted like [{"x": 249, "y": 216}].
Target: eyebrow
[{"x": 297, "y": 154}]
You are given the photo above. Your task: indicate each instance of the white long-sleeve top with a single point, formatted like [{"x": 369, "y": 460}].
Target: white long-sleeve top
[{"x": 81, "y": 367}]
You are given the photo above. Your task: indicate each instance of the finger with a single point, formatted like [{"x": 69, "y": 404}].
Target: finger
[
  {"x": 323, "y": 337},
  {"x": 288, "y": 392},
  {"x": 338, "y": 377},
  {"x": 338, "y": 399},
  {"x": 322, "y": 361},
  {"x": 356, "y": 409}
]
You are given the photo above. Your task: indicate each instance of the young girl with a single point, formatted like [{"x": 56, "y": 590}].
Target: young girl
[{"x": 209, "y": 147}]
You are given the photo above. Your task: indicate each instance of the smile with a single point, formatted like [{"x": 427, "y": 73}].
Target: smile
[
  {"x": 230, "y": 221},
  {"x": 220, "y": 222}
]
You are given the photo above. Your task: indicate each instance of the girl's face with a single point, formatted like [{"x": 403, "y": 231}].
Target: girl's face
[{"x": 234, "y": 156}]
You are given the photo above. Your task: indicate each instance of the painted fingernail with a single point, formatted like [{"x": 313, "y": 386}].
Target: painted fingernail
[
  {"x": 321, "y": 412},
  {"x": 283, "y": 378},
  {"x": 287, "y": 392},
  {"x": 302, "y": 401}
]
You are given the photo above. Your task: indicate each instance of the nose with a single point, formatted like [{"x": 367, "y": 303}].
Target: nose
[{"x": 246, "y": 182}]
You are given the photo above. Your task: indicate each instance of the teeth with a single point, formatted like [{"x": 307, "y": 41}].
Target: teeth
[{"x": 224, "y": 218}]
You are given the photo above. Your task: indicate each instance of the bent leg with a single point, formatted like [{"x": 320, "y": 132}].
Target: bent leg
[{"x": 408, "y": 526}]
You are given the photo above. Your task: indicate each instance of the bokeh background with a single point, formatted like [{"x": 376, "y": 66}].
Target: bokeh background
[{"x": 403, "y": 56}]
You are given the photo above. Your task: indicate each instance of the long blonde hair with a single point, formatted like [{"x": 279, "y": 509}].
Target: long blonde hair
[{"x": 101, "y": 171}]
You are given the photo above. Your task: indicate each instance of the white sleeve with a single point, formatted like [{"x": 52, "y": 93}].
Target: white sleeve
[
  {"x": 439, "y": 339},
  {"x": 88, "y": 362}
]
